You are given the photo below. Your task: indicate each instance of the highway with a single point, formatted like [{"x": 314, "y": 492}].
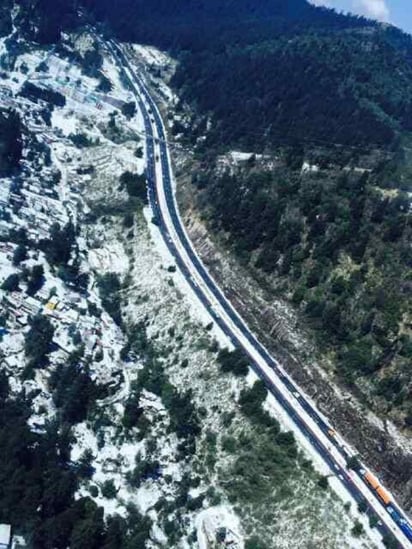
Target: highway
[{"x": 328, "y": 444}]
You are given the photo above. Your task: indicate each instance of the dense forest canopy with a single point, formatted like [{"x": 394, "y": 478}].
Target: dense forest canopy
[
  {"x": 312, "y": 88},
  {"x": 296, "y": 72},
  {"x": 44, "y": 20},
  {"x": 195, "y": 26},
  {"x": 339, "y": 247}
]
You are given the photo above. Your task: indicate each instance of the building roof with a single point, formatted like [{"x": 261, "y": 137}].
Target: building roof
[{"x": 5, "y": 534}]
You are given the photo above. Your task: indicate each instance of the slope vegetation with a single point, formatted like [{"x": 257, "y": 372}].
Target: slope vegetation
[
  {"x": 303, "y": 84},
  {"x": 295, "y": 73}
]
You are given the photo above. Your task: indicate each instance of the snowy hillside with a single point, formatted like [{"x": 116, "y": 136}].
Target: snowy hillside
[{"x": 101, "y": 334}]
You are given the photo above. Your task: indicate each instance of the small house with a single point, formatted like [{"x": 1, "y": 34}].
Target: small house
[{"x": 5, "y": 536}]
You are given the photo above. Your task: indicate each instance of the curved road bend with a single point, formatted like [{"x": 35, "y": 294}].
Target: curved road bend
[{"x": 310, "y": 422}]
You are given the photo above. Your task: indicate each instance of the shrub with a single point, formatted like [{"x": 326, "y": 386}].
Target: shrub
[
  {"x": 108, "y": 489},
  {"x": 94, "y": 491},
  {"x": 36, "y": 279},
  {"x": 323, "y": 482},
  {"x": 233, "y": 361},
  {"x": 11, "y": 284},
  {"x": 135, "y": 185},
  {"x": 19, "y": 255},
  {"x": 251, "y": 400},
  {"x": 357, "y": 530},
  {"x": 37, "y": 342},
  {"x": 254, "y": 543},
  {"x": 229, "y": 444},
  {"x": 129, "y": 109},
  {"x": 109, "y": 288}
]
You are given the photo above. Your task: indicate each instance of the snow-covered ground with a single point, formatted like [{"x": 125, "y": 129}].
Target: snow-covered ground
[{"x": 155, "y": 296}]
